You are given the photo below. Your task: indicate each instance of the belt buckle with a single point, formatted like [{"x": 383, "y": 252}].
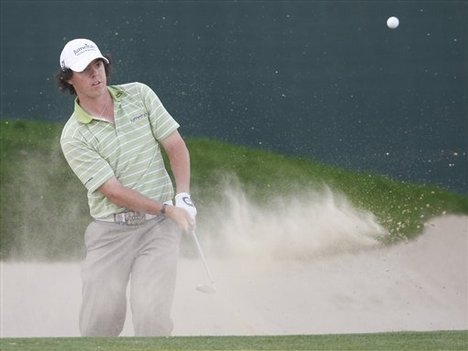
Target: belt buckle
[
  {"x": 130, "y": 218},
  {"x": 134, "y": 218}
]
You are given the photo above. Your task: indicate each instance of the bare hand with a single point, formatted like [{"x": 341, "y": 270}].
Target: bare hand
[{"x": 181, "y": 217}]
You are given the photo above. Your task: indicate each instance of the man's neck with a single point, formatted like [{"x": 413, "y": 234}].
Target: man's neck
[{"x": 101, "y": 107}]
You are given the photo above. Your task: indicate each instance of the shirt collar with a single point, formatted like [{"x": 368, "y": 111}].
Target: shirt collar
[{"x": 84, "y": 117}]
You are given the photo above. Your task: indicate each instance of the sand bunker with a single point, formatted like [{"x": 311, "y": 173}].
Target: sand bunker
[{"x": 421, "y": 285}]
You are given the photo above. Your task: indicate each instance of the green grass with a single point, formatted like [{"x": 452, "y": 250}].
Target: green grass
[
  {"x": 43, "y": 209},
  {"x": 440, "y": 340}
]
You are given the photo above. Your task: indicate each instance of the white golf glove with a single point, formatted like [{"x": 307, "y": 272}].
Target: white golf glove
[{"x": 184, "y": 201}]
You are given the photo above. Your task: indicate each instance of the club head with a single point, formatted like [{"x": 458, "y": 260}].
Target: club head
[{"x": 207, "y": 289}]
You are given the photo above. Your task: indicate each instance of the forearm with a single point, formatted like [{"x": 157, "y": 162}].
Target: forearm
[
  {"x": 179, "y": 159},
  {"x": 180, "y": 166},
  {"x": 129, "y": 198}
]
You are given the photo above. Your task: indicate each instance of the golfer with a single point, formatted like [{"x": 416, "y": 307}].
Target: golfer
[{"x": 112, "y": 142}]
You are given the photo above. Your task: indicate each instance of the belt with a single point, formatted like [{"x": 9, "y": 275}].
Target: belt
[{"x": 130, "y": 218}]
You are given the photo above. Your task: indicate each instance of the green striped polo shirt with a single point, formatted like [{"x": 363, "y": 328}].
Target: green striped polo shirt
[{"x": 97, "y": 150}]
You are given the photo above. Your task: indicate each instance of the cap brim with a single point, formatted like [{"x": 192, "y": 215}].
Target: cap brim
[{"x": 85, "y": 60}]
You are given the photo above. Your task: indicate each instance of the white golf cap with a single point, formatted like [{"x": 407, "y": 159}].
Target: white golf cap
[{"x": 77, "y": 54}]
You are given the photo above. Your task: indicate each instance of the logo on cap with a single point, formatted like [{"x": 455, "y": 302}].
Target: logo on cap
[{"x": 85, "y": 48}]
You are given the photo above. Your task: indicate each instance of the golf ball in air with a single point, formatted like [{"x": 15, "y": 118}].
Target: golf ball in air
[{"x": 393, "y": 22}]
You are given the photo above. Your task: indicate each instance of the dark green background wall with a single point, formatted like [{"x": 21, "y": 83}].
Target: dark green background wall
[{"x": 320, "y": 79}]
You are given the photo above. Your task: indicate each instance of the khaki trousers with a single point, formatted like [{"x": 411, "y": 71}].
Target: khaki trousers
[{"x": 146, "y": 255}]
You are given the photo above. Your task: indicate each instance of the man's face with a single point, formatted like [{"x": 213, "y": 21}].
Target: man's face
[{"x": 92, "y": 81}]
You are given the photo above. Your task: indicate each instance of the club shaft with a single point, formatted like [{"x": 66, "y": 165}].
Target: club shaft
[{"x": 202, "y": 256}]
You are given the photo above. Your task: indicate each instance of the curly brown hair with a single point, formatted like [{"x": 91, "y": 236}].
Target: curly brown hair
[{"x": 62, "y": 76}]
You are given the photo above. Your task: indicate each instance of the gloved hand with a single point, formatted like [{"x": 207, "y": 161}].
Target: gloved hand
[{"x": 184, "y": 201}]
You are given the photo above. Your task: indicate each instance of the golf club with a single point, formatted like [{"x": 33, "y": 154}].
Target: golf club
[{"x": 205, "y": 288}]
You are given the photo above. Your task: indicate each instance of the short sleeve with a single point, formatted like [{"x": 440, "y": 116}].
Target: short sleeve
[
  {"x": 86, "y": 163},
  {"x": 162, "y": 123}
]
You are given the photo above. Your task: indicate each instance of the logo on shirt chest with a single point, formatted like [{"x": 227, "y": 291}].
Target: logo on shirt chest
[{"x": 138, "y": 117}]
